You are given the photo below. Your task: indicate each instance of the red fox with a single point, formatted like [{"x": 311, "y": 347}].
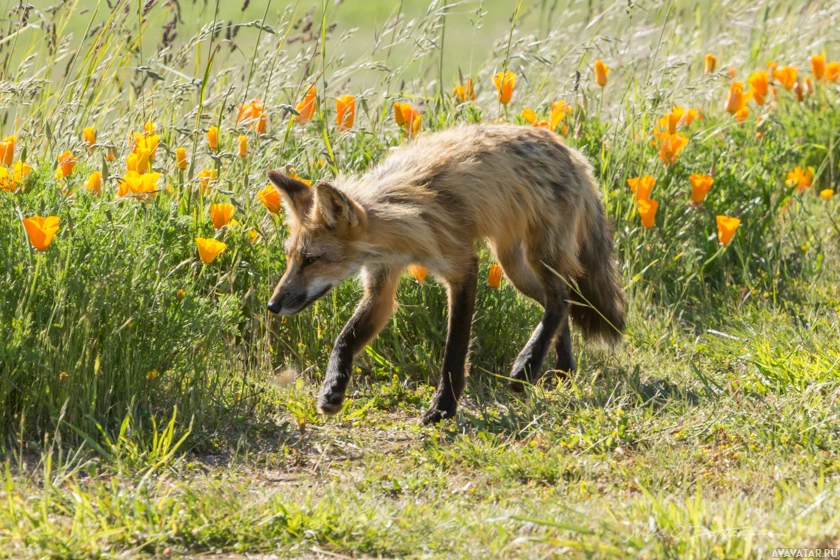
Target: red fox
[{"x": 519, "y": 188}]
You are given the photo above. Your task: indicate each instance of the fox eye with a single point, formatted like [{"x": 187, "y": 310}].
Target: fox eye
[{"x": 309, "y": 259}]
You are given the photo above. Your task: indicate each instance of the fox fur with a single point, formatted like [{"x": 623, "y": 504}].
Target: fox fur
[{"x": 521, "y": 189}]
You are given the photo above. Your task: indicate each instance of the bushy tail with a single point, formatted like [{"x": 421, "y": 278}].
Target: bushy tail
[{"x": 598, "y": 306}]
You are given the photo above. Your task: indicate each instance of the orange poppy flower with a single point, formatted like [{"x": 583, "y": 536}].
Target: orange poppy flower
[
  {"x": 345, "y": 112},
  {"x": 742, "y": 114},
  {"x": 726, "y": 228},
  {"x": 408, "y": 116},
  {"x": 306, "y": 108},
  {"x": 700, "y": 185},
  {"x": 94, "y": 182},
  {"x": 494, "y": 276},
  {"x": 559, "y": 110},
  {"x": 647, "y": 212},
  {"x": 786, "y": 75},
  {"x": 818, "y": 66},
  {"x": 270, "y": 197},
  {"x": 735, "y": 98},
  {"x": 800, "y": 178},
  {"x": 671, "y": 146},
  {"x": 760, "y": 86},
  {"x": 504, "y": 82},
  {"x": 213, "y": 137},
  {"x": 66, "y": 163},
  {"x": 243, "y": 146},
  {"x": 7, "y": 150},
  {"x": 181, "y": 158},
  {"x": 465, "y": 92},
  {"x": 142, "y": 185},
  {"x": 641, "y": 187},
  {"x": 419, "y": 272},
  {"x": 89, "y": 135},
  {"x": 832, "y": 71},
  {"x": 221, "y": 214},
  {"x": 41, "y": 230},
  {"x": 825, "y": 194},
  {"x": 209, "y": 249},
  {"x": 207, "y": 177},
  {"x": 711, "y": 63},
  {"x": 252, "y": 114},
  {"x": 601, "y": 73}
]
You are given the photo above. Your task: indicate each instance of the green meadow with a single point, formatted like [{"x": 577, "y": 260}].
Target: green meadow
[{"x": 151, "y": 406}]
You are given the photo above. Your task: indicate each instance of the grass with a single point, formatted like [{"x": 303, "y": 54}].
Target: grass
[{"x": 150, "y": 406}]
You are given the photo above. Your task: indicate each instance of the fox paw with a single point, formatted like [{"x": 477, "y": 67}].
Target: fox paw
[
  {"x": 330, "y": 403},
  {"x": 436, "y": 414}
]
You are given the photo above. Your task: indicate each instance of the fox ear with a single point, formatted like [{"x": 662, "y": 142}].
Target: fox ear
[
  {"x": 335, "y": 208},
  {"x": 298, "y": 195}
]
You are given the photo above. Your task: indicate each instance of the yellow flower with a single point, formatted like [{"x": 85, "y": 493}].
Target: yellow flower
[
  {"x": 138, "y": 161},
  {"x": 21, "y": 171},
  {"x": 601, "y": 73},
  {"x": 41, "y": 230},
  {"x": 146, "y": 143},
  {"x": 671, "y": 146},
  {"x": 504, "y": 82},
  {"x": 181, "y": 158},
  {"x": 345, "y": 112},
  {"x": 786, "y": 75},
  {"x": 759, "y": 85},
  {"x": 800, "y": 178},
  {"x": 647, "y": 212},
  {"x": 270, "y": 197},
  {"x": 825, "y": 194},
  {"x": 209, "y": 249},
  {"x": 641, "y": 187},
  {"x": 89, "y": 135},
  {"x": 465, "y": 92},
  {"x": 726, "y": 228},
  {"x": 152, "y": 375},
  {"x": 818, "y": 66},
  {"x": 213, "y": 137},
  {"x": 66, "y": 163},
  {"x": 150, "y": 127},
  {"x": 419, "y": 272},
  {"x": 711, "y": 63},
  {"x": 700, "y": 185},
  {"x": 306, "y": 108},
  {"x": 7, "y": 150},
  {"x": 221, "y": 214},
  {"x": 207, "y": 177},
  {"x": 243, "y": 146},
  {"x": 832, "y": 71},
  {"x": 494, "y": 276},
  {"x": 742, "y": 114},
  {"x": 8, "y": 182},
  {"x": 735, "y": 99},
  {"x": 94, "y": 182}
]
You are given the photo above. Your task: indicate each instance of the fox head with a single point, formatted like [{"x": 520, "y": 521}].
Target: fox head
[{"x": 323, "y": 225}]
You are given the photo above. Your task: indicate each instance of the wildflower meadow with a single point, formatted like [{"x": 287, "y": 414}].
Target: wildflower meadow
[{"x": 151, "y": 406}]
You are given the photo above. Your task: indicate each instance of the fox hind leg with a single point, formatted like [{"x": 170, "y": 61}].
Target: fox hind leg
[
  {"x": 461, "y": 307},
  {"x": 527, "y": 366},
  {"x": 565, "y": 363}
]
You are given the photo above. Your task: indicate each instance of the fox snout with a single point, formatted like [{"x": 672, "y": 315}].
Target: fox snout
[{"x": 287, "y": 302}]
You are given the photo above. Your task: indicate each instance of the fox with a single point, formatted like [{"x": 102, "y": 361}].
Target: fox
[{"x": 430, "y": 202}]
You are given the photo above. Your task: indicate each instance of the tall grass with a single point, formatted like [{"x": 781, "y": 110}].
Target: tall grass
[{"x": 120, "y": 316}]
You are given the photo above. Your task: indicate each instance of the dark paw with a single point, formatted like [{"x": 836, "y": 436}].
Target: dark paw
[
  {"x": 518, "y": 379},
  {"x": 330, "y": 402},
  {"x": 436, "y": 414}
]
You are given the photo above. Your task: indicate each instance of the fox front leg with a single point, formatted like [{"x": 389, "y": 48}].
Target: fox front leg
[{"x": 373, "y": 311}]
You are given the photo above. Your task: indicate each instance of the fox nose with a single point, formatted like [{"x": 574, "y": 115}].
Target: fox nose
[{"x": 274, "y": 305}]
